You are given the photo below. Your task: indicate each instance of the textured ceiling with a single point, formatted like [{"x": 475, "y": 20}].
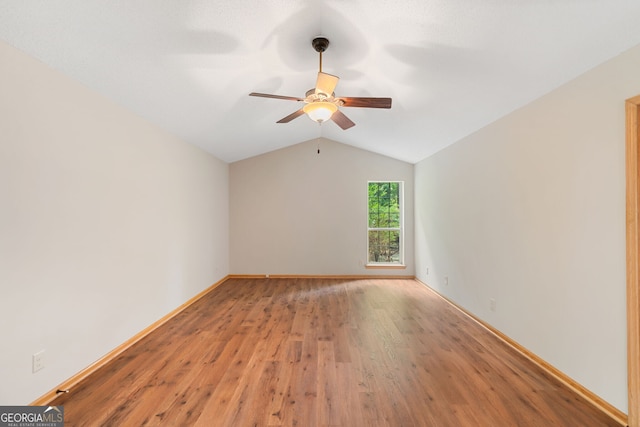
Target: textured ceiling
[{"x": 451, "y": 66}]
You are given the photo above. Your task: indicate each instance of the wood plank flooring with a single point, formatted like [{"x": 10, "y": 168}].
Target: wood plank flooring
[{"x": 323, "y": 352}]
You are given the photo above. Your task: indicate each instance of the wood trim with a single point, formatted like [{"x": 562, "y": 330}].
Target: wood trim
[
  {"x": 633, "y": 244},
  {"x": 318, "y": 276},
  {"x": 46, "y": 398},
  {"x": 591, "y": 397}
]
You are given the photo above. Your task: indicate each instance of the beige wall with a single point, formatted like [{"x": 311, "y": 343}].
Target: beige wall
[
  {"x": 530, "y": 211},
  {"x": 294, "y": 211},
  {"x": 106, "y": 225}
]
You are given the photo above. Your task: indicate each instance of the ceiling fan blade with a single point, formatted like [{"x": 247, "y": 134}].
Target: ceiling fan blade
[
  {"x": 267, "y": 95},
  {"x": 341, "y": 120},
  {"x": 326, "y": 83},
  {"x": 291, "y": 116},
  {"x": 366, "y": 102}
]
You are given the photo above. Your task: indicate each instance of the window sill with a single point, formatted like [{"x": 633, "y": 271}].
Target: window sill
[{"x": 385, "y": 266}]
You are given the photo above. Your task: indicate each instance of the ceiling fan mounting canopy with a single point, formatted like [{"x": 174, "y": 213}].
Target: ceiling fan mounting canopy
[
  {"x": 320, "y": 44},
  {"x": 321, "y": 102}
]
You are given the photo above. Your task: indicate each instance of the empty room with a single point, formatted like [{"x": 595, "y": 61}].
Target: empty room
[{"x": 409, "y": 213}]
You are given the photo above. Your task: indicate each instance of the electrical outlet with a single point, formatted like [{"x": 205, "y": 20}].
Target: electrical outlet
[
  {"x": 446, "y": 280},
  {"x": 492, "y": 304},
  {"x": 37, "y": 361},
  {"x": 427, "y": 271}
]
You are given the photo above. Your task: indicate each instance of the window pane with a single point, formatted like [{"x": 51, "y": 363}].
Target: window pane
[
  {"x": 373, "y": 220},
  {"x": 384, "y": 246},
  {"x": 394, "y": 220},
  {"x": 384, "y": 204}
]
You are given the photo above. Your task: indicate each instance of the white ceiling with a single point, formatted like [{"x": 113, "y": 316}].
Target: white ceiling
[{"x": 451, "y": 66}]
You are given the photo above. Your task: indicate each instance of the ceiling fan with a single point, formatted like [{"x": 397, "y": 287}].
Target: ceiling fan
[{"x": 321, "y": 104}]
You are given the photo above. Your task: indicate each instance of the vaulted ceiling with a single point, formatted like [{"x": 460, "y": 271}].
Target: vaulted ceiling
[{"x": 451, "y": 66}]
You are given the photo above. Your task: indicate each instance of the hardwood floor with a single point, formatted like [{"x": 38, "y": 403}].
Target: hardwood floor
[{"x": 323, "y": 352}]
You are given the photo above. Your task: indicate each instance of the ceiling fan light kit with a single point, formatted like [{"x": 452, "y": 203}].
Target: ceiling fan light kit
[
  {"x": 320, "y": 111},
  {"x": 321, "y": 102}
]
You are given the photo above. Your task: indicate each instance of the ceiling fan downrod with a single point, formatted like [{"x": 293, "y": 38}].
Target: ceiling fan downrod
[{"x": 320, "y": 44}]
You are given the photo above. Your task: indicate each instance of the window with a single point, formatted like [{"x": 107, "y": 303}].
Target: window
[{"x": 385, "y": 228}]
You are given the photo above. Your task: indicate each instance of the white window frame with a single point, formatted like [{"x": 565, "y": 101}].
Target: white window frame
[{"x": 400, "y": 262}]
